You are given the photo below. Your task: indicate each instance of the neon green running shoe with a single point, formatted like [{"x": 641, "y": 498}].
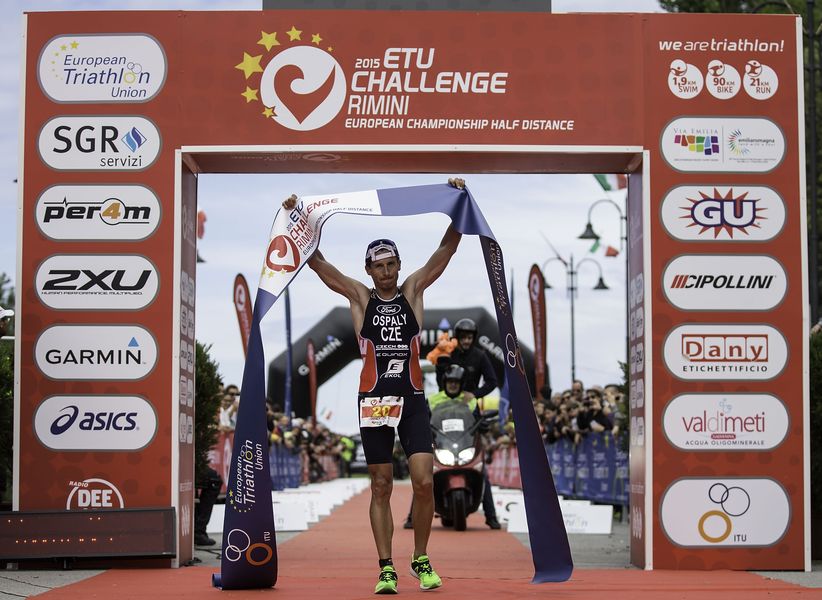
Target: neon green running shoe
[
  {"x": 387, "y": 583},
  {"x": 421, "y": 569}
]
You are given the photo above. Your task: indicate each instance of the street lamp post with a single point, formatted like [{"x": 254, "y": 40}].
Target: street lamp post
[
  {"x": 590, "y": 234},
  {"x": 571, "y": 286}
]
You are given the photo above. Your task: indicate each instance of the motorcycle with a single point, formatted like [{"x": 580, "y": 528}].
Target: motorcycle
[{"x": 458, "y": 461}]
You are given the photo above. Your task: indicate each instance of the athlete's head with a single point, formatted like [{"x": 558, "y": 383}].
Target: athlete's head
[
  {"x": 452, "y": 380},
  {"x": 466, "y": 333},
  {"x": 382, "y": 263}
]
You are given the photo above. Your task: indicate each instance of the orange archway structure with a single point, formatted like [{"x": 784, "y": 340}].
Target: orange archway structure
[{"x": 123, "y": 110}]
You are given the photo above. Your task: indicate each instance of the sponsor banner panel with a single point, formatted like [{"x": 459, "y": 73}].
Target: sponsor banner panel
[
  {"x": 722, "y": 282},
  {"x": 729, "y": 144},
  {"x": 725, "y": 512},
  {"x": 725, "y": 352},
  {"x": 723, "y": 213},
  {"x": 96, "y": 352},
  {"x": 99, "y": 143},
  {"x": 748, "y": 422},
  {"x": 95, "y": 423},
  {"x": 97, "y": 282},
  {"x": 102, "y": 68},
  {"x": 98, "y": 212}
]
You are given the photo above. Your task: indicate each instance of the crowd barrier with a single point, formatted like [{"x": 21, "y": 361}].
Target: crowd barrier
[
  {"x": 596, "y": 469},
  {"x": 288, "y": 470}
]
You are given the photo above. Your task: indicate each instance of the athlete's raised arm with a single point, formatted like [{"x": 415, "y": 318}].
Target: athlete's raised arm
[
  {"x": 353, "y": 290},
  {"x": 423, "y": 277}
]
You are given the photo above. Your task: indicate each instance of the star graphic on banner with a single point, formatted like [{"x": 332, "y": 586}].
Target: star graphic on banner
[
  {"x": 63, "y": 48},
  {"x": 268, "y": 113},
  {"x": 74, "y": 45},
  {"x": 294, "y": 34},
  {"x": 316, "y": 39},
  {"x": 249, "y": 94},
  {"x": 330, "y": 49},
  {"x": 268, "y": 40},
  {"x": 250, "y": 65}
]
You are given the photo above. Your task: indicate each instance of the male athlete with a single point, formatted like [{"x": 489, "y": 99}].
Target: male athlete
[{"x": 387, "y": 321}]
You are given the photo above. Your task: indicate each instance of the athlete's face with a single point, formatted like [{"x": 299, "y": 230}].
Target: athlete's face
[{"x": 384, "y": 272}]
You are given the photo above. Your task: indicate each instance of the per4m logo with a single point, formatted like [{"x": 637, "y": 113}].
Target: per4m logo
[{"x": 301, "y": 87}]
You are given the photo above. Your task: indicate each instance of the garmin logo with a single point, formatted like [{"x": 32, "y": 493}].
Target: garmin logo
[
  {"x": 106, "y": 352},
  {"x": 99, "y": 423}
]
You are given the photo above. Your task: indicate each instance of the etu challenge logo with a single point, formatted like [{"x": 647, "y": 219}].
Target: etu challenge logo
[{"x": 301, "y": 87}]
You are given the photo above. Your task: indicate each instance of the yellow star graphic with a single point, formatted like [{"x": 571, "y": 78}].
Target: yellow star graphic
[
  {"x": 330, "y": 49},
  {"x": 63, "y": 48},
  {"x": 268, "y": 40},
  {"x": 294, "y": 34},
  {"x": 74, "y": 45},
  {"x": 267, "y": 113},
  {"x": 250, "y": 65},
  {"x": 249, "y": 94},
  {"x": 316, "y": 39}
]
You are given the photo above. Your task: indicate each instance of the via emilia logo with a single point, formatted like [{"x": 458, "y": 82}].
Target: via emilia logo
[
  {"x": 715, "y": 512},
  {"x": 116, "y": 68},
  {"x": 295, "y": 82}
]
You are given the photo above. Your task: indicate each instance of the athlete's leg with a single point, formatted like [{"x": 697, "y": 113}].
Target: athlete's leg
[
  {"x": 421, "y": 466},
  {"x": 382, "y": 524}
]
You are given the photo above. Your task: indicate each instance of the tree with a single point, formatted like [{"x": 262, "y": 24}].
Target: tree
[
  {"x": 6, "y": 397},
  {"x": 206, "y": 404}
]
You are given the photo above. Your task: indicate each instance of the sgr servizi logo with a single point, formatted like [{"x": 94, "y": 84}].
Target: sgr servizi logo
[
  {"x": 99, "y": 423},
  {"x": 92, "y": 352},
  {"x": 97, "y": 282},
  {"x": 101, "y": 68},
  {"x": 99, "y": 143},
  {"x": 725, "y": 512},
  {"x": 98, "y": 212}
]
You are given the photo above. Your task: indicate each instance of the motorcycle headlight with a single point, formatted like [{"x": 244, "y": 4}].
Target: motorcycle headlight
[
  {"x": 466, "y": 456},
  {"x": 446, "y": 457}
]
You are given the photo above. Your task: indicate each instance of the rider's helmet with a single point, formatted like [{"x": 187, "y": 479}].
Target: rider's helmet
[
  {"x": 464, "y": 326},
  {"x": 454, "y": 373}
]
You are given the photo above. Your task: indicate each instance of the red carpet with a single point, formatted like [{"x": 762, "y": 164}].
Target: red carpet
[{"x": 336, "y": 560}]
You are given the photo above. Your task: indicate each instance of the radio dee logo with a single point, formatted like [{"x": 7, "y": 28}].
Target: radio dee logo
[
  {"x": 102, "y": 68},
  {"x": 99, "y": 143},
  {"x": 93, "y": 493}
]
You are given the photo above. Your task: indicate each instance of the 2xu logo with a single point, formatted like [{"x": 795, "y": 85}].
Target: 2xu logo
[
  {"x": 99, "y": 143},
  {"x": 725, "y": 512},
  {"x": 95, "y": 423},
  {"x": 97, "y": 212},
  {"x": 97, "y": 282},
  {"x": 93, "y": 493}
]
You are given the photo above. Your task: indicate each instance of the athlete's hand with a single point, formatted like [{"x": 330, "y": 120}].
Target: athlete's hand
[
  {"x": 290, "y": 202},
  {"x": 468, "y": 396},
  {"x": 457, "y": 183}
]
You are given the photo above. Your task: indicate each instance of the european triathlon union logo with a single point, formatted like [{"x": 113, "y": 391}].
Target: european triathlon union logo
[
  {"x": 701, "y": 144},
  {"x": 133, "y": 139}
]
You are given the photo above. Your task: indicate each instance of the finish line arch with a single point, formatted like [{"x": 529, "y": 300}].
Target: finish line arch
[{"x": 124, "y": 110}]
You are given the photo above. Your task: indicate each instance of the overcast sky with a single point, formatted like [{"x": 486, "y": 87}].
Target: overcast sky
[{"x": 240, "y": 209}]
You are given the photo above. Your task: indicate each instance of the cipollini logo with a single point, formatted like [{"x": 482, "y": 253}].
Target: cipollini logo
[{"x": 302, "y": 87}]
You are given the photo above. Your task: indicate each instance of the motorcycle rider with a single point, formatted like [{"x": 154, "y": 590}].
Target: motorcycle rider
[{"x": 453, "y": 381}]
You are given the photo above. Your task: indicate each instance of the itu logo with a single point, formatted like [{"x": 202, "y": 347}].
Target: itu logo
[{"x": 302, "y": 87}]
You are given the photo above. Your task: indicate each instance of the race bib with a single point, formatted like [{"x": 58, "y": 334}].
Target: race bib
[{"x": 376, "y": 411}]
